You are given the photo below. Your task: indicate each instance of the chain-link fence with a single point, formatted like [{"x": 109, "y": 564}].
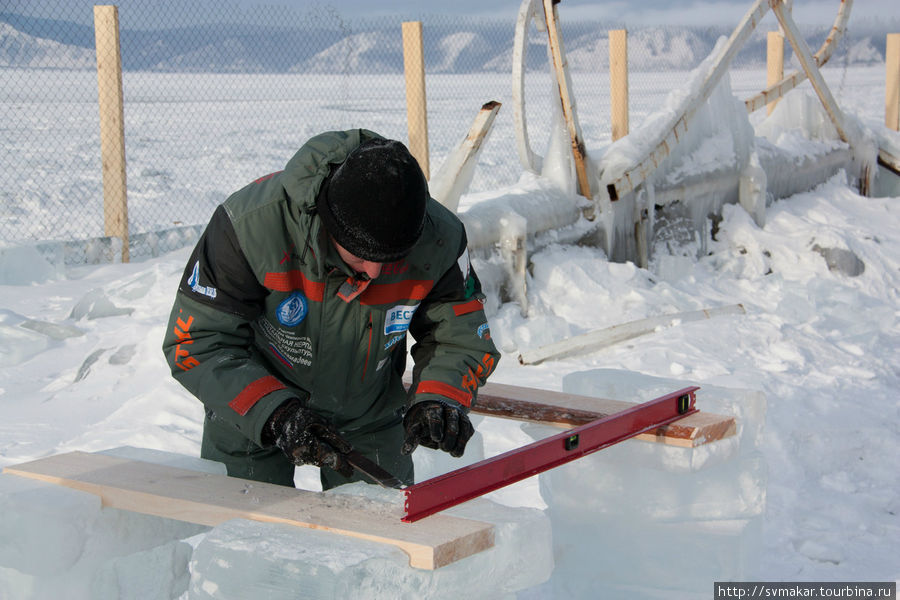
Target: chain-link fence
[{"x": 216, "y": 95}]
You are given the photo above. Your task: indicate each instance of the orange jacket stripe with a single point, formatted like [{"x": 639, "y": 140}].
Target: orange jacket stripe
[
  {"x": 446, "y": 390},
  {"x": 469, "y": 307},
  {"x": 250, "y": 395},
  {"x": 385, "y": 293},
  {"x": 295, "y": 280}
]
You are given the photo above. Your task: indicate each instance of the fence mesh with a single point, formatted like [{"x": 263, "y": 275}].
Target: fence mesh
[{"x": 216, "y": 95}]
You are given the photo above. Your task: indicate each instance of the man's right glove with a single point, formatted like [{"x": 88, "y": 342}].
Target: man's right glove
[
  {"x": 306, "y": 438},
  {"x": 435, "y": 424}
]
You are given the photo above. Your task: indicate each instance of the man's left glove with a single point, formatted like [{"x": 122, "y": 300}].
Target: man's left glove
[
  {"x": 437, "y": 425},
  {"x": 306, "y": 438}
]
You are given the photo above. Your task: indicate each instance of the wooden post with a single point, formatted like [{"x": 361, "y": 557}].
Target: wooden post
[
  {"x": 618, "y": 82},
  {"x": 112, "y": 123},
  {"x": 416, "y": 114},
  {"x": 775, "y": 64},
  {"x": 892, "y": 82}
]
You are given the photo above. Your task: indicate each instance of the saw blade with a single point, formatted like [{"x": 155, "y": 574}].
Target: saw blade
[{"x": 373, "y": 470}]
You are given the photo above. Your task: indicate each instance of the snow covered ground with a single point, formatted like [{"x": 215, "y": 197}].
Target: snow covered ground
[{"x": 81, "y": 366}]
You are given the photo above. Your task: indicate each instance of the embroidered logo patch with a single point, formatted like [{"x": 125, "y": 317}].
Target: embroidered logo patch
[
  {"x": 393, "y": 341},
  {"x": 292, "y": 310},
  {"x": 397, "y": 319},
  {"x": 194, "y": 283},
  {"x": 484, "y": 332}
]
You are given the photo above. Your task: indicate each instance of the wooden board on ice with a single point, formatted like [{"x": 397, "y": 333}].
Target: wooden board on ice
[
  {"x": 571, "y": 410},
  {"x": 210, "y": 499}
]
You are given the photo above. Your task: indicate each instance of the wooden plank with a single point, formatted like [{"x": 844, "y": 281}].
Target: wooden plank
[
  {"x": 570, "y": 410},
  {"x": 602, "y": 338},
  {"x": 209, "y": 499},
  {"x": 561, "y": 68},
  {"x": 457, "y": 170}
]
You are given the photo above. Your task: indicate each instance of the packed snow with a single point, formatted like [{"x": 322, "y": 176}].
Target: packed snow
[{"x": 807, "y": 491}]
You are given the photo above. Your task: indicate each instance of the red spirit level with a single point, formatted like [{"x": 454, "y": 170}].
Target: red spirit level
[{"x": 455, "y": 487}]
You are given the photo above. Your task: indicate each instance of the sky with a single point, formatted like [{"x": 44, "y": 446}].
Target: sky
[
  {"x": 625, "y": 12},
  {"x": 702, "y": 12}
]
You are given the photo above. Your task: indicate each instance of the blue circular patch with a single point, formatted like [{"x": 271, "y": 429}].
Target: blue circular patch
[{"x": 292, "y": 310}]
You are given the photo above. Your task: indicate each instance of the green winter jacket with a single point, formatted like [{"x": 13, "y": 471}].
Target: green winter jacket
[{"x": 267, "y": 310}]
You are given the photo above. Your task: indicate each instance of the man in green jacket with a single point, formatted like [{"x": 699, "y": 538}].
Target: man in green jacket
[{"x": 290, "y": 321}]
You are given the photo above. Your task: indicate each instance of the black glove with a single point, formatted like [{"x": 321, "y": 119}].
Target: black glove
[
  {"x": 306, "y": 438},
  {"x": 435, "y": 424}
]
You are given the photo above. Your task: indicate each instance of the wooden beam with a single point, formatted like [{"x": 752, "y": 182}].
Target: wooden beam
[
  {"x": 603, "y": 338},
  {"x": 209, "y": 499},
  {"x": 416, "y": 110},
  {"x": 457, "y": 170},
  {"x": 570, "y": 410}
]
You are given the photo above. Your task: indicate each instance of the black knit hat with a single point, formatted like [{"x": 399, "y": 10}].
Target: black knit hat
[{"x": 373, "y": 204}]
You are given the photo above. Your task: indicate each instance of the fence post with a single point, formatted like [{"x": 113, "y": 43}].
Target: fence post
[
  {"x": 618, "y": 82},
  {"x": 112, "y": 124},
  {"x": 892, "y": 82},
  {"x": 774, "y": 63},
  {"x": 416, "y": 114}
]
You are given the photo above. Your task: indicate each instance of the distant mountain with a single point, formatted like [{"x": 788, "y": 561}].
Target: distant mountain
[
  {"x": 864, "y": 52},
  {"x": 21, "y": 50},
  {"x": 368, "y": 52},
  {"x": 376, "y": 48}
]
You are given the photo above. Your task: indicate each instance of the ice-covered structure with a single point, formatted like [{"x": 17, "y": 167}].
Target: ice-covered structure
[{"x": 659, "y": 188}]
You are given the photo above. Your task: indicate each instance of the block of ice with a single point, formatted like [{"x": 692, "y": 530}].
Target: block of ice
[
  {"x": 642, "y": 516},
  {"x": 241, "y": 559},
  {"x": 24, "y": 265},
  {"x": 160, "y": 573},
  {"x": 682, "y": 557},
  {"x": 748, "y": 406},
  {"x": 431, "y": 463},
  {"x": 57, "y": 542},
  {"x": 18, "y": 344},
  {"x": 170, "y": 459},
  {"x": 602, "y": 484},
  {"x": 43, "y": 527},
  {"x": 97, "y": 305}
]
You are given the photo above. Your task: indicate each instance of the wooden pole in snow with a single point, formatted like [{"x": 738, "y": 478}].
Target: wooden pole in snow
[
  {"x": 774, "y": 63},
  {"x": 416, "y": 113},
  {"x": 602, "y": 338},
  {"x": 618, "y": 82},
  {"x": 892, "y": 82},
  {"x": 112, "y": 124}
]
